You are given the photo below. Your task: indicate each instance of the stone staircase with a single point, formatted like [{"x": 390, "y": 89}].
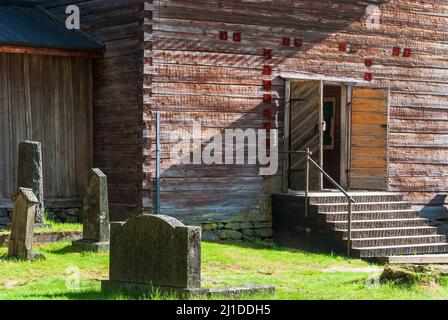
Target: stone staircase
[{"x": 383, "y": 224}]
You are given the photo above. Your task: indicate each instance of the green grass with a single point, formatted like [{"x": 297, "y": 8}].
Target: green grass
[
  {"x": 296, "y": 274},
  {"x": 55, "y": 227},
  {"x": 60, "y": 227}
]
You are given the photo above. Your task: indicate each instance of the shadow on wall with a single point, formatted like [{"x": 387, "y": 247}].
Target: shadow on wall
[
  {"x": 437, "y": 212},
  {"x": 230, "y": 98}
]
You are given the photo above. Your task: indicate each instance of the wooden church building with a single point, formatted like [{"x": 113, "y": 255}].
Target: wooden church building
[{"x": 361, "y": 84}]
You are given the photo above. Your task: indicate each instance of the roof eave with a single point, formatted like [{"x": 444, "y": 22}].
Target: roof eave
[{"x": 19, "y": 49}]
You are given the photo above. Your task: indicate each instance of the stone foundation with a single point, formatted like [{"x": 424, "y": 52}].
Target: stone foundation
[
  {"x": 66, "y": 215},
  {"x": 249, "y": 231}
]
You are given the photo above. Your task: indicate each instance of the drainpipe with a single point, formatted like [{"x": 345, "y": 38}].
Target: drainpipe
[{"x": 158, "y": 163}]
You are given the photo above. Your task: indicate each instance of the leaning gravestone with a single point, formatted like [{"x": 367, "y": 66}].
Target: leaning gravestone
[
  {"x": 21, "y": 240},
  {"x": 95, "y": 214},
  {"x": 157, "y": 253},
  {"x": 29, "y": 173}
]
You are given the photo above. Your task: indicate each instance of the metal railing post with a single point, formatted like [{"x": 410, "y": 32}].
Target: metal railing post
[
  {"x": 349, "y": 228},
  {"x": 307, "y": 182},
  {"x": 350, "y": 200}
]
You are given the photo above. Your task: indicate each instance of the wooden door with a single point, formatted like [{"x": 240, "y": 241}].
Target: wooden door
[
  {"x": 369, "y": 139},
  {"x": 305, "y": 132}
]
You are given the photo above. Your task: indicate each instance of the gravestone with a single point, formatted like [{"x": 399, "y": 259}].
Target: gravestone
[
  {"x": 96, "y": 232},
  {"x": 21, "y": 241},
  {"x": 157, "y": 253},
  {"x": 29, "y": 173}
]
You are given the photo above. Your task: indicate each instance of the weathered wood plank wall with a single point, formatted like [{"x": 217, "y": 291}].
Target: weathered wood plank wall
[
  {"x": 47, "y": 99},
  {"x": 369, "y": 134},
  {"x": 117, "y": 95},
  {"x": 190, "y": 74}
]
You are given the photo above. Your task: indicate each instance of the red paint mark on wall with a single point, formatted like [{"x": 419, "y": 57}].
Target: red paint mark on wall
[
  {"x": 267, "y": 84},
  {"x": 267, "y": 53},
  {"x": 267, "y": 70},
  {"x": 267, "y": 98},
  {"x": 223, "y": 35}
]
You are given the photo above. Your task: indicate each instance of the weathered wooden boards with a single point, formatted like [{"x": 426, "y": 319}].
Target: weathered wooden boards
[
  {"x": 369, "y": 139},
  {"x": 190, "y": 74},
  {"x": 47, "y": 99},
  {"x": 191, "y": 69},
  {"x": 306, "y": 132},
  {"x": 117, "y": 96}
]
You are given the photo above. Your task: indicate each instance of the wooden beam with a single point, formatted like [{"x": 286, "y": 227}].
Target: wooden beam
[{"x": 51, "y": 51}]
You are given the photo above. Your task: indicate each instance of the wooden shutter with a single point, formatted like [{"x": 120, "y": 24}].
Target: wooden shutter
[
  {"x": 305, "y": 132},
  {"x": 369, "y": 139}
]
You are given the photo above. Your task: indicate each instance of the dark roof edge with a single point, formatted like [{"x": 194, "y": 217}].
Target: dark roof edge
[
  {"x": 21, "y": 3},
  {"x": 60, "y": 21}
]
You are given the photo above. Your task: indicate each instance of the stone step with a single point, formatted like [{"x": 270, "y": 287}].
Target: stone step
[
  {"x": 419, "y": 259},
  {"x": 375, "y": 252},
  {"x": 397, "y": 241},
  {"x": 387, "y": 223},
  {"x": 367, "y": 197},
  {"x": 370, "y": 215},
  {"x": 364, "y": 206},
  {"x": 388, "y": 232}
]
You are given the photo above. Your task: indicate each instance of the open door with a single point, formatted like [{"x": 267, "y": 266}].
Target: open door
[
  {"x": 369, "y": 139},
  {"x": 305, "y": 131}
]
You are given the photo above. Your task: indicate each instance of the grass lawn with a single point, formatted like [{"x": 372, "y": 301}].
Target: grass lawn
[
  {"x": 55, "y": 227},
  {"x": 296, "y": 274}
]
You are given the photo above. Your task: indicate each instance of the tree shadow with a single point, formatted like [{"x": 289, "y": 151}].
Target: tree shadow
[
  {"x": 260, "y": 245},
  {"x": 197, "y": 193},
  {"x": 72, "y": 295},
  {"x": 71, "y": 249}
]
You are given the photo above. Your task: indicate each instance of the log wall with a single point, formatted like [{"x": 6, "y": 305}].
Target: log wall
[
  {"x": 117, "y": 95},
  {"x": 190, "y": 74}
]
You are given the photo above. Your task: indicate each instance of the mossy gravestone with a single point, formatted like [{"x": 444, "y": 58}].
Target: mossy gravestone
[
  {"x": 95, "y": 214},
  {"x": 20, "y": 244},
  {"x": 157, "y": 253},
  {"x": 29, "y": 173}
]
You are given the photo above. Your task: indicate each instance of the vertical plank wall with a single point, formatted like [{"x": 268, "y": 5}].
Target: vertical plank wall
[
  {"x": 47, "y": 99},
  {"x": 117, "y": 96},
  {"x": 190, "y": 74}
]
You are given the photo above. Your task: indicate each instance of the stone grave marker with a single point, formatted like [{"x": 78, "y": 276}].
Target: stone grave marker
[
  {"x": 21, "y": 241},
  {"x": 96, "y": 232},
  {"x": 157, "y": 253},
  {"x": 29, "y": 173}
]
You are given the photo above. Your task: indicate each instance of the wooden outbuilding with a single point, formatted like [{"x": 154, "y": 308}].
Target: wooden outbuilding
[{"x": 45, "y": 95}]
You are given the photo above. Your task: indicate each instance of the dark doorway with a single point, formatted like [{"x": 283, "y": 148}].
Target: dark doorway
[{"x": 332, "y": 133}]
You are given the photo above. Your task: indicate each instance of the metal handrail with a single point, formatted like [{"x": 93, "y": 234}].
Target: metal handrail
[{"x": 350, "y": 199}]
